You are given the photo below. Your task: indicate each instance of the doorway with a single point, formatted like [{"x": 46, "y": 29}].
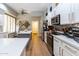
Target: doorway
[{"x": 35, "y": 27}]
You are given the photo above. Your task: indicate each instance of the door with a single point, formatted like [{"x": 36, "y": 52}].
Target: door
[
  {"x": 35, "y": 27},
  {"x": 36, "y": 24}
]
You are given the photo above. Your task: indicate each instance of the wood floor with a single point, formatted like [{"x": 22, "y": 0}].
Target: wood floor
[{"x": 37, "y": 47}]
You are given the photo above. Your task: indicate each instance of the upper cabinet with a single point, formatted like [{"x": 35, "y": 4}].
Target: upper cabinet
[
  {"x": 75, "y": 13},
  {"x": 69, "y": 13},
  {"x": 64, "y": 10}
]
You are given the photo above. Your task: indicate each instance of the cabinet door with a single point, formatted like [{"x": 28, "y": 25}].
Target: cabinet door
[
  {"x": 57, "y": 47},
  {"x": 70, "y": 50},
  {"x": 64, "y": 18},
  {"x": 66, "y": 53},
  {"x": 64, "y": 11},
  {"x": 75, "y": 11}
]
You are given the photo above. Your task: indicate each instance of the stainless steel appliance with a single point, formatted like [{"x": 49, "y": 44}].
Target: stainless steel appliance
[{"x": 55, "y": 20}]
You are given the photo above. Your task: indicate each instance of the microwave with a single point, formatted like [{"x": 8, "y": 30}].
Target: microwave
[{"x": 55, "y": 20}]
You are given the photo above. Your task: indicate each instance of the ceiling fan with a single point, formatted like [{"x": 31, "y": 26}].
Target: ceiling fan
[{"x": 24, "y": 12}]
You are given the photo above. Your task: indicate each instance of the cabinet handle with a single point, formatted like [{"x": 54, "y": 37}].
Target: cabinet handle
[{"x": 70, "y": 50}]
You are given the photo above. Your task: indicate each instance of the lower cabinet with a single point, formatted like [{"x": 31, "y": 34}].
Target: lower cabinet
[
  {"x": 68, "y": 50},
  {"x": 66, "y": 53},
  {"x": 57, "y": 47},
  {"x": 63, "y": 49}
]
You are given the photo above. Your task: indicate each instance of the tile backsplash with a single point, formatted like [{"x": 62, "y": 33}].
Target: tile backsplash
[{"x": 65, "y": 27}]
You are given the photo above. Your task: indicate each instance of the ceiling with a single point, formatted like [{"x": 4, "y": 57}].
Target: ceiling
[{"x": 30, "y": 7}]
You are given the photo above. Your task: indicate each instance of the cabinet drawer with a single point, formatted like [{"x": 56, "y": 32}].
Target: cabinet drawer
[{"x": 71, "y": 49}]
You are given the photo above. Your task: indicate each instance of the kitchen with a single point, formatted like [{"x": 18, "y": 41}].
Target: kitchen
[
  {"x": 62, "y": 23},
  {"x": 52, "y": 29}
]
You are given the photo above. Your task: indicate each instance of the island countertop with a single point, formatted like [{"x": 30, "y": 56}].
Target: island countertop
[{"x": 12, "y": 46}]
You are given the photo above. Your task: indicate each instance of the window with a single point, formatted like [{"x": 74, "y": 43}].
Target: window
[
  {"x": 5, "y": 24},
  {"x": 9, "y": 24}
]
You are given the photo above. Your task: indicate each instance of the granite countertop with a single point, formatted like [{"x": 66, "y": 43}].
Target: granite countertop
[
  {"x": 67, "y": 40},
  {"x": 12, "y": 46}
]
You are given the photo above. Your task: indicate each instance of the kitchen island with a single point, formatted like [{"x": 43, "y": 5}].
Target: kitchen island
[{"x": 13, "y": 46}]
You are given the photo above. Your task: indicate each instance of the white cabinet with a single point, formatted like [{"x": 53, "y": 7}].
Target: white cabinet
[
  {"x": 66, "y": 53},
  {"x": 65, "y": 11},
  {"x": 68, "y": 50},
  {"x": 75, "y": 13},
  {"x": 63, "y": 49},
  {"x": 69, "y": 13},
  {"x": 64, "y": 18},
  {"x": 57, "y": 47}
]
